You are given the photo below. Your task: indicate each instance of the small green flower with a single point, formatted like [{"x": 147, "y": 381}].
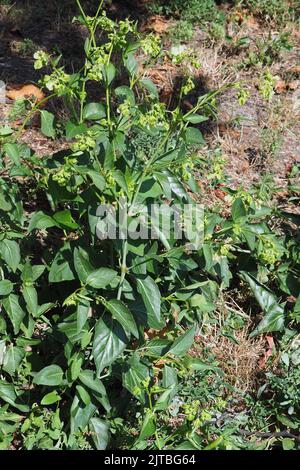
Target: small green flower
[
  {"x": 125, "y": 108},
  {"x": 136, "y": 391},
  {"x": 237, "y": 229},
  {"x": 63, "y": 174},
  {"x": 188, "y": 86},
  {"x": 270, "y": 250},
  {"x": 151, "y": 45},
  {"x": 71, "y": 300},
  {"x": 243, "y": 95},
  {"x": 42, "y": 59},
  {"x": 225, "y": 250},
  {"x": 84, "y": 142},
  {"x": 155, "y": 117},
  {"x": 106, "y": 24},
  {"x": 58, "y": 82},
  {"x": 95, "y": 72},
  {"x": 266, "y": 85}
]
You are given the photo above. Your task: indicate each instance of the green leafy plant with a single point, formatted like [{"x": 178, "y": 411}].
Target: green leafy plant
[
  {"x": 268, "y": 50},
  {"x": 203, "y": 13},
  {"x": 272, "y": 10},
  {"x": 91, "y": 324}
]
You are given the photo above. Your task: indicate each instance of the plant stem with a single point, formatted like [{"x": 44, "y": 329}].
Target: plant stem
[
  {"x": 152, "y": 411},
  {"x": 31, "y": 112},
  {"x": 141, "y": 180},
  {"x": 123, "y": 269}
]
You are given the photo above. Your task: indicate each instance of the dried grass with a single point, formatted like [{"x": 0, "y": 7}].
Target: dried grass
[{"x": 239, "y": 361}]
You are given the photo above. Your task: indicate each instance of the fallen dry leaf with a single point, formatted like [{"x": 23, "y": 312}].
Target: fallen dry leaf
[
  {"x": 294, "y": 85},
  {"x": 280, "y": 86},
  {"x": 252, "y": 22},
  {"x": 220, "y": 194},
  {"x": 295, "y": 69},
  {"x": 25, "y": 92},
  {"x": 271, "y": 347},
  {"x": 157, "y": 24},
  {"x": 151, "y": 333}
]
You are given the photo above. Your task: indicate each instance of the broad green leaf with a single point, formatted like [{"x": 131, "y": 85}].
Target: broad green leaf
[
  {"x": 150, "y": 189},
  {"x": 122, "y": 314},
  {"x": 97, "y": 387},
  {"x": 41, "y": 221},
  {"x": 62, "y": 266},
  {"x": 65, "y": 220},
  {"x": 100, "y": 278},
  {"x": 194, "y": 363},
  {"x": 5, "y": 202},
  {"x": 12, "y": 151},
  {"x": 194, "y": 137},
  {"x": 97, "y": 179},
  {"x": 5, "y": 131},
  {"x": 150, "y": 86},
  {"x": 81, "y": 414},
  {"x": 195, "y": 118},
  {"x": 157, "y": 347},
  {"x": 164, "y": 399},
  {"x": 171, "y": 185},
  {"x": 100, "y": 432},
  {"x": 148, "y": 426},
  {"x": 183, "y": 343},
  {"x": 44, "y": 308},
  {"x": 131, "y": 63},
  {"x": 50, "y": 398},
  {"x": 6, "y": 287},
  {"x": 126, "y": 93},
  {"x": 238, "y": 209},
  {"x": 30, "y": 273},
  {"x": 75, "y": 368},
  {"x": 94, "y": 111},
  {"x": 186, "y": 445},
  {"x": 208, "y": 256},
  {"x": 164, "y": 160},
  {"x": 13, "y": 358},
  {"x": 169, "y": 377},
  {"x": 14, "y": 311},
  {"x": 110, "y": 340},
  {"x": 83, "y": 309},
  {"x": 50, "y": 375},
  {"x": 31, "y": 299},
  {"x": 133, "y": 377},
  {"x": 87, "y": 378},
  {"x": 200, "y": 301},
  {"x": 72, "y": 130},
  {"x": 152, "y": 299},
  {"x": 109, "y": 73},
  {"x": 10, "y": 253},
  {"x": 9, "y": 394},
  {"x": 288, "y": 443},
  {"x": 274, "y": 312},
  {"x": 47, "y": 124},
  {"x": 70, "y": 329},
  {"x": 83, "y": 394},
  {"x": 82, "y": 264}
]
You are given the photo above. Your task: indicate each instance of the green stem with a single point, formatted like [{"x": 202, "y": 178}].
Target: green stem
[
  {"x": 92, "y": 40},
  {"x": 99, "y": 9},
  {"x": 123, "y": 269},
  {"x": 30, "y": 114},
  {"x": 107, "y": 92},
  {"x": 81, "y": 11},
  {"x": 152, "y": 411}
]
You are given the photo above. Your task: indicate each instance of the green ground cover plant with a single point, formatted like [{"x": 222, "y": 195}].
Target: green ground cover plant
[
  {"x": 100, "y": 339},
  {"x": 191, "y": 13}
]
